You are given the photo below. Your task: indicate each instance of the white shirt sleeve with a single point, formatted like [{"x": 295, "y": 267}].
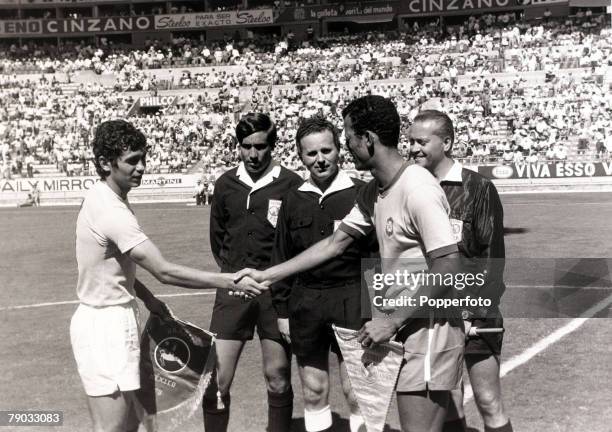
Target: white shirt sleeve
[
  {"x": 121, "y": 227},
  {"x": 356, "y": 223}
]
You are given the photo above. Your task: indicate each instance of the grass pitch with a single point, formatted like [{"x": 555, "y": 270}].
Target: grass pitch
[{"x": 565, "y": 387}]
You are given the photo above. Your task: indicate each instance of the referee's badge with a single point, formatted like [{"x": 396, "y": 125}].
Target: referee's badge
[
  {"x": 273, "y": 209},
  {"x": 457, "y": 226},
  {"x": 389, "y": 227}
]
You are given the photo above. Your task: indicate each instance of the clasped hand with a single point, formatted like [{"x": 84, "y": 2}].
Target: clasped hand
[{"x": 249, "y": 283}]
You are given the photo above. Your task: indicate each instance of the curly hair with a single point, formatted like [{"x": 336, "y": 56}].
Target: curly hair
[
  {"x": 375, "y": 114},
  {"x": 256, "y": 122},
  {"x": 112, "y": 138},
  {"x": 315, "y": 124}
]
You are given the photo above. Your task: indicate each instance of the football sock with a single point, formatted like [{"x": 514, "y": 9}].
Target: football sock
[
  {"x": 317, "y": 421},
  {"x": 280, "y": 409},
  {"x": 356, "y": 423},
  {"x": 216, "y": 412},
  {"x": 457, "y": 425}
]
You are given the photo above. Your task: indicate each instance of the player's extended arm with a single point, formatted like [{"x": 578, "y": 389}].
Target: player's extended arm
[
  {"x": 322, "y": 251},
  {"x": 149, "y": 257}
]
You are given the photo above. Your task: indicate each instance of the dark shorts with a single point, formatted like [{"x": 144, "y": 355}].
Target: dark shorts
[
  {"x": 489, "y": 343},
  {"x": 236, "y": 319},
  {"x": 312, "y": 313}
]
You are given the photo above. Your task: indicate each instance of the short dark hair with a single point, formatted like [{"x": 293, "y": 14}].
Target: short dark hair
[
  {"x": 375, "y": 114},
  {"x": 315, "y": 124},
  {"x": 256, "y": 122},
  {"x": 445, "y": 124},
  {"x": 112, "y": 138}
]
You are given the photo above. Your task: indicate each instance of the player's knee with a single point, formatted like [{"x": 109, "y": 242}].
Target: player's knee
[
  {"x": 278, "y": 378},
  {"x": 488, "y": 401},
  {"x": 314, "y": 399},
  {"x": 315, "y": 393}
]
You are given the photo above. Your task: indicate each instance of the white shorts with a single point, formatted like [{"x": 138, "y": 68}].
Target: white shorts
[
  {"x": 433, "y": 356},
  {"x": 106, "y": 346}
]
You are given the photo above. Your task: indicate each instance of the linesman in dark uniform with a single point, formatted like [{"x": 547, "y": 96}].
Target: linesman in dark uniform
[
  {"x": 244, "y": 215},
  {"x": 477, "y": 218},
  {"x": 310, "y": 302}
]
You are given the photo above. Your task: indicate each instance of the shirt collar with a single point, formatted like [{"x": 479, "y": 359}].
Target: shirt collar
[
  {"x": 382, "y": 191},
  {"x": 454, "y": 174},
  {"x": 341, "y": 182},
  {"x": 272, "y": 172}
]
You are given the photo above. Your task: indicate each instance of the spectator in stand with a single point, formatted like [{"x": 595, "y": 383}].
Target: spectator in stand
[{"x": 45, "y": 116}]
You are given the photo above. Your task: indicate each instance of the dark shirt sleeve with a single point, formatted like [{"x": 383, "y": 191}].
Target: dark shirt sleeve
[
  {"x": 489, "y": 230},
  {"x": 217, "y": 225},
  {"x": 281, "y": 290}
]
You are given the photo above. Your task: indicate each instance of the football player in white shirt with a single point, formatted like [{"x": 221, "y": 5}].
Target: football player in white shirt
[{"x": 109, "y": 244}]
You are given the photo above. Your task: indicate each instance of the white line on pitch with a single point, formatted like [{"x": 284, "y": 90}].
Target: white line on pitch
[
  {"x": 565, "y": 287},
  {"x": 186, "y": 294},
  {"x": 39, "y": 305},
  {"x": 552, "y": 204},
  {"x": 516, "y": 361}
]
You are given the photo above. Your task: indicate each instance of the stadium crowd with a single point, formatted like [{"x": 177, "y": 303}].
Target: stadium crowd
[
  {"x": 496, "y": 119},
  {"x": 484, "y": 40}
]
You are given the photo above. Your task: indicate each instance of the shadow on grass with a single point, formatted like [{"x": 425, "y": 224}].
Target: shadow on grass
[
  {"x": 513, "y": 230},
  {"x": 339, "y": 425}
]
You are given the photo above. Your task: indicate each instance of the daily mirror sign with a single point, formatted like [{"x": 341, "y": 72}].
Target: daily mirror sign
[
  {"x": 76, "y": 184},
  {"x": 547, "y": 170},
  {"x": 214, "y": 19}
]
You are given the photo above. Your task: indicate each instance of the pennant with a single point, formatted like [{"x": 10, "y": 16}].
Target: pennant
[
  {"x": 373, "y": 373},
  {"x": 176, "y": 364}
]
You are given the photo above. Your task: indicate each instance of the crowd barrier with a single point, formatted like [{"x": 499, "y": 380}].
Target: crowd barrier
[{"x": 519, "y": 178}]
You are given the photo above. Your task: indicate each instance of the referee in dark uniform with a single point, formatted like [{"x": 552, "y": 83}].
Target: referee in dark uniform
[
  {"x": 477, "y": 218},
  {"x": 310, "y": 302},
  {"x": 244, "y": 215}
]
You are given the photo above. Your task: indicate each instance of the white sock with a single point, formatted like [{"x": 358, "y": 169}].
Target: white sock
[
  {"x": 355, "y": 422},
  {"x": 316, "y": 421}
]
